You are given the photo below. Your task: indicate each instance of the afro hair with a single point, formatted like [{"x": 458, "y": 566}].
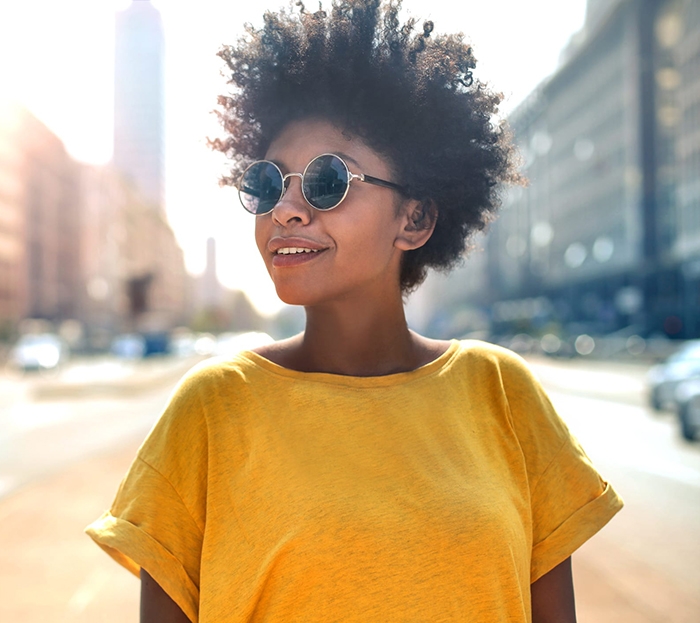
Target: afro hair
[{"x": 406, "y": 92}]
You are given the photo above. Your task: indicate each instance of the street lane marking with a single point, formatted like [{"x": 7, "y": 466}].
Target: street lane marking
[
  {"x": 632, "y": 439},
  {"x": 680, "y": 473}
]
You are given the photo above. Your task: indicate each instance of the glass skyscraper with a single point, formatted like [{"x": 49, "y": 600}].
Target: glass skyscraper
[{"x": 139, "y": 99}]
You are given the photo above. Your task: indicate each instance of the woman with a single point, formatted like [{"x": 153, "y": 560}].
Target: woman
[{"x": 358, "y": 471}]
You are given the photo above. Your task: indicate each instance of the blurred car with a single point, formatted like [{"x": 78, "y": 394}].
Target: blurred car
[
  {"x": 231, "y": 343},
  {"x": 663, "y": 379},
  {"x": 43, "y": 351},
  {"x": 688, "y": 408},
  {"x": 182, "y": 343},
  {"x": 128, "y": 346},
  {"x": 157, "y": 343}
]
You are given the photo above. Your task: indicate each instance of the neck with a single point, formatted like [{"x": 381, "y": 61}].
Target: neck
[{"x": 358, "y": 340}]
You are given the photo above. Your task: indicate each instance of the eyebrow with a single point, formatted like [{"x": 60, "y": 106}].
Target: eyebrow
[{"x": 349, "y": 159}]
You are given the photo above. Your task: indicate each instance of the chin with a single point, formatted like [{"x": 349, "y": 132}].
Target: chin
[
  {"x": 294, "y": 296},
  {"x": 306, "y": 296}
]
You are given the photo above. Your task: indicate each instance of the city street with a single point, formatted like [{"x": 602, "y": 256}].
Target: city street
[
  {"x": 645, "y": 565},
  {"x": 66, "y": 442},
  {"x": 48, "y": 421}
]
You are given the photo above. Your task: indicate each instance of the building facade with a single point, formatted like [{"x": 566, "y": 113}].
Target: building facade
[
  {"x": 134, "y": 271},
  {"x": 604, "y": 238},
  {"x": 680, "y": 77},
  {"x": 13, "y": 278},
  {"x": 40, "y": 221},
  {"x": 79, "y": 243}
]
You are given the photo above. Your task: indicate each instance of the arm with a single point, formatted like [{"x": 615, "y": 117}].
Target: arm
[
  {"x": 553, "y": 596},
  {"x": 156, "y": 605}
]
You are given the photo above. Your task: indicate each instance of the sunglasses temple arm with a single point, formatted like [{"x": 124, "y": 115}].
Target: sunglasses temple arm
[{"x": 377, "y": 182}]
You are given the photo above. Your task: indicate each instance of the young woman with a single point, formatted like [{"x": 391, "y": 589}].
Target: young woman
[{"x": 358, "y": 471}]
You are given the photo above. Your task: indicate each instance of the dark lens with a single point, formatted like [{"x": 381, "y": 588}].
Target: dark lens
[
  {"x": 325, "y": 182},
  {"x": 260, "y": 187}
]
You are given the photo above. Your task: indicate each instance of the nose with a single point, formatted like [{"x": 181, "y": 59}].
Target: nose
[{"x": 292, "y": 207}]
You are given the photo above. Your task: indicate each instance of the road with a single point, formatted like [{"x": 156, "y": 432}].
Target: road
[
  {"x": 49, "y": 421},
  {"x": 649, "y": 554},
  {"x": 64, "y": 444}
]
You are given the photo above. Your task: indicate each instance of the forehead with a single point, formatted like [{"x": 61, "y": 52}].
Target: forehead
[{"x": 301, "y": 141}]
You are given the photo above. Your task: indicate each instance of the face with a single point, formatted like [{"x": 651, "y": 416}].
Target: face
[{"x": 353, "y": 250}]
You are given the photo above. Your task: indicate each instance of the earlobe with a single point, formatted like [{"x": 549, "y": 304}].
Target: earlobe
[{"x": 418, "y": 224}]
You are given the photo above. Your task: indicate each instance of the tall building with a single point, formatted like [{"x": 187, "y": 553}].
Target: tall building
[
  {"x": 40, "y": 219},
  {"x": 211, "y": 292},
  {"x": 13, "y": 278},
  {"x": 606, "y": 237},
  {"x": 679, "y": 78},
  {"x": 139, "y": 99},
  {"x": 133, "y": 268}
]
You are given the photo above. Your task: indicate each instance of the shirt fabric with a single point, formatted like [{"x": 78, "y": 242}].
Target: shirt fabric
[{"x": 264, "y": 494}]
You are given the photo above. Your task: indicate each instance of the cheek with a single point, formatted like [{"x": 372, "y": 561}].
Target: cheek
[
  {"x": 261, "y": 234},
  {"x": 374, "y": 238}
]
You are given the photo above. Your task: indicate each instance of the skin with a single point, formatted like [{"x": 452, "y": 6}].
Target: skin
[
  {"x": 355, "y": 322},
  {"x": 156, "y": 604}
]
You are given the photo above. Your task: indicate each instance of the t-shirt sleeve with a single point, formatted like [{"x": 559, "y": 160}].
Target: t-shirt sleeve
[
  {"x": 569, "y": 499},
  {"x": 157, "y": 519}
]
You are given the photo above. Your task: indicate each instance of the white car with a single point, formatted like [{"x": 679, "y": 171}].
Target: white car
[
  {"x": 688, "y": 404},
  {"x": 44, "y": 351},
  {"x": 663, "y": 379}
]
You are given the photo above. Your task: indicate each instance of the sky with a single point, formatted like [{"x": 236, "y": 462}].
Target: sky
[{"x": 57, "y": 58}]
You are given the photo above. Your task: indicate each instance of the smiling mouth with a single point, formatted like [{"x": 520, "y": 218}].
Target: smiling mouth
[{"x": 295, "y": 250}]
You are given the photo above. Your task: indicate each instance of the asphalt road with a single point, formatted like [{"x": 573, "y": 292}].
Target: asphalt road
[
  {"x": 48, "y": 421},
  {"x": 650, "y": 552}
]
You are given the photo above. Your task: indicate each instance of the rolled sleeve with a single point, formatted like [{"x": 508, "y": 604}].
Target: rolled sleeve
[
  {"x": 570, "y": 503},
  {"x": 150, "y": 527}
]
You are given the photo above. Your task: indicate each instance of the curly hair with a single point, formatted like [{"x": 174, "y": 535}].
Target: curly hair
[{"x": 408, "y": 94}]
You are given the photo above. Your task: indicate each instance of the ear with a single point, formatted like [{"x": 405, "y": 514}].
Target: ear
[{"x": 418, "y": 223}]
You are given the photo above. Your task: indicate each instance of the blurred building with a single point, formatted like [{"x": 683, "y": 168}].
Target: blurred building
[
  {"x": 679, "y": 78},
  {"x": 218, "y": 309},
  {"x": 151, "y": 264},
  {"x": 78, "y": 242},
  {"x": 210, "y": 292},
  {"x": 158, "y": 285},
  {"x": 104, "y": 299},
  {"x": 606, "y": 237},
  {"x": 13, "y": 277},
  {"x": 139, "y": 99},
  {"x": 134, "y": 273},
  {"x": 40, "y": 220}
]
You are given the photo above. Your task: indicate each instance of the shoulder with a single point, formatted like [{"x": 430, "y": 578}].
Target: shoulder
[
  {"x": 212, "y": 387},
  {"x": 224, "y": 371},
  {"x": 507, "y": 364},
  {"x": 506, "y": 373}
]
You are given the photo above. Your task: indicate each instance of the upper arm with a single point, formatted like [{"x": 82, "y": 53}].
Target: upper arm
[
  {"x": 553, "y": 596},
  {"x": 156, "y": 604}
]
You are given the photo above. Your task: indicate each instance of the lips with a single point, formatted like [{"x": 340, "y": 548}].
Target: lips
[
  {"x": 294, "y": 251},
  {"x": 290, "y": 246}
]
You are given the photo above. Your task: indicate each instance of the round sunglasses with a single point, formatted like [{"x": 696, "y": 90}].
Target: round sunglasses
[{"x": 325, "y": 182}]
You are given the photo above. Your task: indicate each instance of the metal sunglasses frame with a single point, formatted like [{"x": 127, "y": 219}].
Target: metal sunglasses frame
[{"x": 360, "y": 177}]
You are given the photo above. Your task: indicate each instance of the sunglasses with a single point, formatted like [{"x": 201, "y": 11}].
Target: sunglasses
[{"x": 325, "y": 182}]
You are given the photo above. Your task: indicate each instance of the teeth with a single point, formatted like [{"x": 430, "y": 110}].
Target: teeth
[{"x": 292, "y": 250}]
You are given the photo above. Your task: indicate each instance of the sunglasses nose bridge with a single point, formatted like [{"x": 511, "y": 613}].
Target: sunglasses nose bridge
[
  {"x": 285, "y": 179},
  {"x": 292, "y": 206}
]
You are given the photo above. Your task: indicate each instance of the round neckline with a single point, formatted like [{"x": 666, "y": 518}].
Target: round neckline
[{"x": 329, "y": 378}]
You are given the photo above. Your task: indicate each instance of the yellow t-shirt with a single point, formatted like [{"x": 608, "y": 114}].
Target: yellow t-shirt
[{"x": 265, "y": 494}]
